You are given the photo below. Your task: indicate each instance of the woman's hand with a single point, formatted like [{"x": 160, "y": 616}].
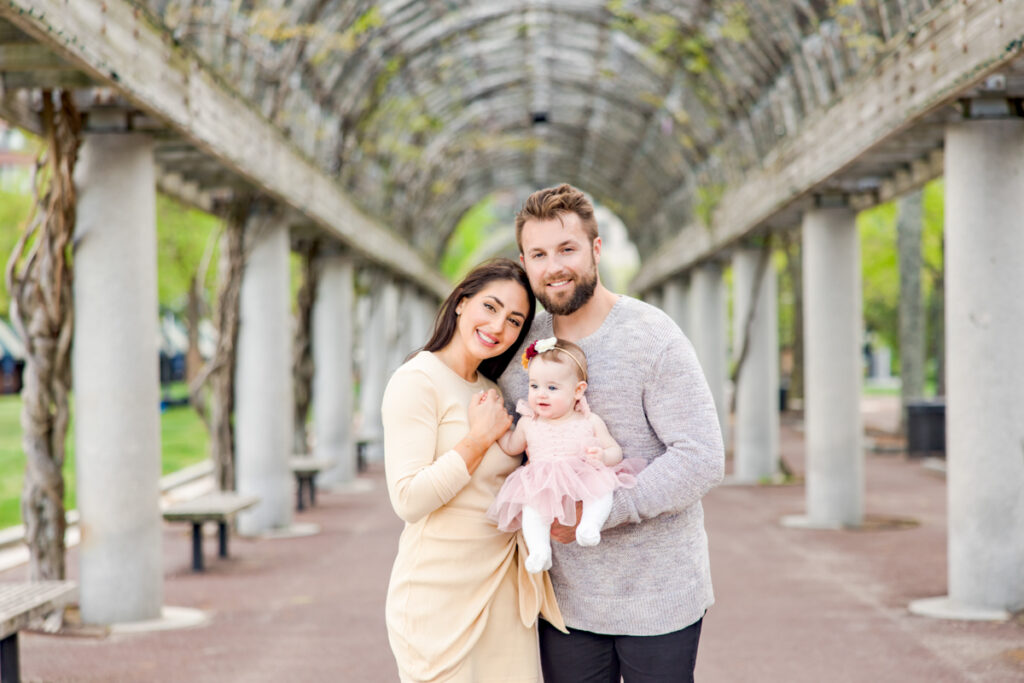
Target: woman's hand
[{"x": 488, "y": 419}]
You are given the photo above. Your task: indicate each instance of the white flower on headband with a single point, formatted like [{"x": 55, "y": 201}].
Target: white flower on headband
[{"x": 543, "y": 345}]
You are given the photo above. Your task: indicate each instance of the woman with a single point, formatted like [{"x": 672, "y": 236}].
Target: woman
[{"x": 460, "y": 604}]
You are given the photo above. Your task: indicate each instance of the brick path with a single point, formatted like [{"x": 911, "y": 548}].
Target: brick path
[{"x": 793, "y": 605}]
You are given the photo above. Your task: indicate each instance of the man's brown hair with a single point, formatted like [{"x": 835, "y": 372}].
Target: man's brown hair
[{"x": 553, "y": 202}]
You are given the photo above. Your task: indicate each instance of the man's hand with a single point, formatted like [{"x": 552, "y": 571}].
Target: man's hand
[{"x": 567, "y": 534}]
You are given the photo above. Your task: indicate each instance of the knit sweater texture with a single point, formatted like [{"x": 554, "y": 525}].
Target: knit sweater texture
[{"x": 650, "y": 574}]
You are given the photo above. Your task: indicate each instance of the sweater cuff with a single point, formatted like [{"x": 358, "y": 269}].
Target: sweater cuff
[
  {"x": 620, "y": 512},
  {"x": 449, "y": 475}
]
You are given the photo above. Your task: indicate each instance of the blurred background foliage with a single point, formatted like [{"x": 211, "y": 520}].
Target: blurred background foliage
[{"x": 880, "y": 264}]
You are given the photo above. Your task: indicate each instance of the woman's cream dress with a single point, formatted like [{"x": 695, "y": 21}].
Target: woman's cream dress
[{"x": 460, "y": 605}]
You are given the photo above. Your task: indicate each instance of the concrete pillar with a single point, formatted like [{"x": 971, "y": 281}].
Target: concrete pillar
[
  {"x": 403, "y": 333},
  {"x": 911, "y": 307},
  {"x": 424, "y": 311},
  {"x": 832, "y": 360},
  {"x": 675, "y": 299},
  {"x": 756, "y": 441},
  {"x": 376, "y": 358},
  {"x": 707, "y": 310},
  {"x": 116, "y": 381},
  {"x": 333, "y": 402},
  {"x": 985, "y": 370},
  {"x": 263, "y": 385}
]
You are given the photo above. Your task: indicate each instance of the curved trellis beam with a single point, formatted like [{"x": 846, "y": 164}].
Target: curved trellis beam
[
  {"x": 956, "y": 50},
  {"x": 120, "y": 45}
]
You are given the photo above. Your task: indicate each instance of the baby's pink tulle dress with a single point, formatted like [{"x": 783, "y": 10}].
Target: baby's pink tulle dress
[{"x": 558, "y": 473}]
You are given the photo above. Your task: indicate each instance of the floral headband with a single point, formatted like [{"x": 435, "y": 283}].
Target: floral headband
[{"x": 539, "y": 346}]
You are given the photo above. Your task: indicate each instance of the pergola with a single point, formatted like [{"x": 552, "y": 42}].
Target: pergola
[{"x": 370, "y": 128}]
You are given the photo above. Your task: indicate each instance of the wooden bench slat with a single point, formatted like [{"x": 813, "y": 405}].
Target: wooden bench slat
[
  {"x": 307, "y": 464},
  {"x": 20, "y": 603},
  {"x": 211, "y": 507}
]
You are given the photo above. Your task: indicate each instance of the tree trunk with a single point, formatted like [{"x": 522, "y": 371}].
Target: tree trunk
[
  {"x": 222, "y": 377},
  {"x": 193, "y": 359},
  {"x": 794, "y": 268},
  {"x": 302, "y": 350},
  {"x": 911, "y": 309},
  {"x": 937, "y": 314},
  {"x": 38, "y": 277}
]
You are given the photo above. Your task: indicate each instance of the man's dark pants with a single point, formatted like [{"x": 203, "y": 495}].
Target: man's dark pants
[{"x": 584, "y": 657}]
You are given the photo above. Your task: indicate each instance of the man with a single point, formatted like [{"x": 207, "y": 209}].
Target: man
[{"x": 634, "y": 604}]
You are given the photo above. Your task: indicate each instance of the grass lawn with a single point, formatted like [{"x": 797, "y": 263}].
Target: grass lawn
[
  {"x": 929, "y": 389},
  {"x": 183, "y": 442}
]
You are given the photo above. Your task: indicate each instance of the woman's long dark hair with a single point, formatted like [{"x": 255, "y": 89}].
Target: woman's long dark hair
[{"x": 447, "y": 319}]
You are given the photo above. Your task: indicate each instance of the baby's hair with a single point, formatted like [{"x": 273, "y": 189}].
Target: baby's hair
[{"x": 565, "y": 348}]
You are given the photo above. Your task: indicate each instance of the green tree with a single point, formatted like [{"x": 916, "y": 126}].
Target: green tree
[
  {"x": 880, "y": 271},
  {"x": 14, "y": 210},
  {"x": 184, "y": 237},
  {"x": 933, "y": 279},
  {"x": 463, "y": 248}
]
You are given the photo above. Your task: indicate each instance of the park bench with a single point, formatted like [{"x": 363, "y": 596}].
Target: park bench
[
  {"x": 305, "y": 469},
  {"x": 20, "y": 604},
  {"x": 220, "y": 507},
  {"x": 362, "y": 445}
]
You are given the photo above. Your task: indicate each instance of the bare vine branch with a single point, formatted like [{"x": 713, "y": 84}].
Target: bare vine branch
[{"x": 38, "y": 276}]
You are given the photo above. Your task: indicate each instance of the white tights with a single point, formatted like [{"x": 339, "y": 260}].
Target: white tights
[{"x": 537, "y": 531}]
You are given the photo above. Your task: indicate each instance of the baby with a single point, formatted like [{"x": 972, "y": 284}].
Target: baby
[{"x": 571, "y": 456}]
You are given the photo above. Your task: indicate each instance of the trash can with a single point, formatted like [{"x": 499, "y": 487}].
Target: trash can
[
  {"x": 11, "y": 371},
  {"x": 926, "y": 429}
]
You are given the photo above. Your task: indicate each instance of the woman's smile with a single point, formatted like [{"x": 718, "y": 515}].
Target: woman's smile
[{"x": 486, "y": 339}]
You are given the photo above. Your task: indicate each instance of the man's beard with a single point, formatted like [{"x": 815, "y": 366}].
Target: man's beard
[{"x": 584, "y": 290}]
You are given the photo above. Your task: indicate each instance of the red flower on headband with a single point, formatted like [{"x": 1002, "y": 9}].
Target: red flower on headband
[
  {"x": 530, "y": 352},
  {"x": 537, "y": 347}
]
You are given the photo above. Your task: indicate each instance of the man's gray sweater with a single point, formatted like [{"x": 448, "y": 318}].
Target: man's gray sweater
[{"x": 650, "y": 574}]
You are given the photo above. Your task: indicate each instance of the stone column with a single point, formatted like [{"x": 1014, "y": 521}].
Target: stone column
[
  {"x": 374, "y": 372},
  {"x": 707, "y": 311},
  {"x": 832, "y": 360},
  {"x": 985, "y": 370},
  {"x": 911, "y": 306},
  {"x": 263, "y": 386},
  {"x": 424, "y": 312},
  {"x": 403, "y": 333},
  {"x": 394, "y": 338},
  {"x": 116, "y": 381},
  {"x": 333, "y": 330},
  {"x": 675, "y": 301},
  {"x": 756, "y": 445}
]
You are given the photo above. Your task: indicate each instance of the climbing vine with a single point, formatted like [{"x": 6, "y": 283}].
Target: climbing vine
[{"x": 38, "y": 276}]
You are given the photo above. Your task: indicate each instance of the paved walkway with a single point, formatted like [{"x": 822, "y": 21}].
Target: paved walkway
[{"x": 793, "y": 606}]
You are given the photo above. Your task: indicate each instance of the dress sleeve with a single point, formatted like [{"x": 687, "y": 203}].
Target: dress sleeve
[{"x": 419, "y": 481}]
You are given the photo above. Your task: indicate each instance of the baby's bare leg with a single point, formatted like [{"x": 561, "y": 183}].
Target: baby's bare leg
[
  {"x": 593, "y": 518},
  {"x": 537, "y": 532}
]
